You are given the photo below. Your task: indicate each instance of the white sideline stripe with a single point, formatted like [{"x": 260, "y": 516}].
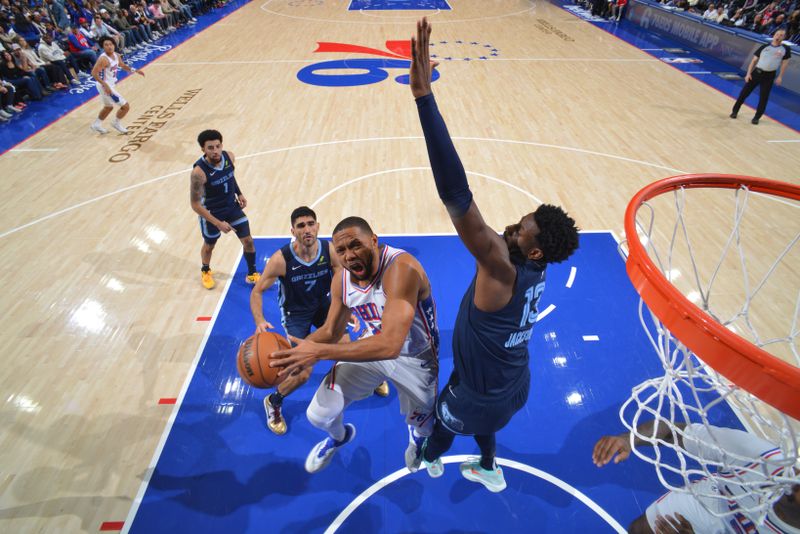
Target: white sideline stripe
[
  {"x": 572, "y": 272},
  {"x": 650, "y": 49},
  {"x": 591, "y": 338},
  {"x": 33, "y": 150},
  {"x": 697, "y": 72},
  {"x": 784, "y": 141},
  {"x": 176, "y": 408},
  {"x": 547, "y": 477},
  {"x": 547, "y": 311}
]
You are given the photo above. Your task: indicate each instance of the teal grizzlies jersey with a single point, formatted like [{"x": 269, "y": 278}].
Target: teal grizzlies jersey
[
  {"x": 220, "y": 189},
  {"x": 490, "y": 350}
]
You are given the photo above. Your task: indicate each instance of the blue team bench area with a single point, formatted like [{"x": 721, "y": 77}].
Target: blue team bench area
[
  {"x": 222, "y": 470},
  {"x": 387, "y": 5}
]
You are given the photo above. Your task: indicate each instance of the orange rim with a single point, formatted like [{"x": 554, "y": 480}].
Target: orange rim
[{"x": 771, "y": 379}]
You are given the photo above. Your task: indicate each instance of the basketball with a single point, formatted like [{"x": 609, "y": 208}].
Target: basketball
[{"x": 252, "y": 362}]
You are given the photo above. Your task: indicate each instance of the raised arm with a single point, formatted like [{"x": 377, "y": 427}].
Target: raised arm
[
  {"x": 480, "y": 239},
  {"x": 276, "y": 266},
  {"x": 402, "y": 283}
]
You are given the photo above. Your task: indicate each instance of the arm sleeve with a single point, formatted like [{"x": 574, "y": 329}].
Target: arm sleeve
[
  {"x": 448, "y": 172},
  {"x": 788, "y": 53},
  {"x": 757, "y": 53}
]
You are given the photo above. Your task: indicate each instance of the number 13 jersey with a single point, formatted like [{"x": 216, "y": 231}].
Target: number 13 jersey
[{"x": 490, "y": 349}]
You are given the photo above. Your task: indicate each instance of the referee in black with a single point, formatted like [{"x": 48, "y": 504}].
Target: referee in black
[{"x": 761, "y": 72}]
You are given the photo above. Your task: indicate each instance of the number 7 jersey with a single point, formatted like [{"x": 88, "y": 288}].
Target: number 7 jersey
[{"x": 367, "y": 303}]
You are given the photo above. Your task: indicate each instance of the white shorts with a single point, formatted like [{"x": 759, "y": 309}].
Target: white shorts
[
  {"x": 416, "y": 381},
  {"x": 689, "y": 507},
  {"x": 109, "y": 100}
]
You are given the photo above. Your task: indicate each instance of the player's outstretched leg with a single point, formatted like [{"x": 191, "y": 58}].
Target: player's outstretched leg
[
  {"x": 435, "y": 467},
  {"x": 493, "y": 478},
  {"x": 323, "y": 452},
  {"x": 413, "y": 454},
  {"x": 485, "y": 469},
  {"x": 325, "y": 411}
]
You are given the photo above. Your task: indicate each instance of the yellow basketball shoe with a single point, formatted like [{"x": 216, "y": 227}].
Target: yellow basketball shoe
[
  {"x": 207, "y": 278},
  {"x": 275, "y": 420},
  {"x": 383, "y": 389},
  {"x": 252, "y": 278}
]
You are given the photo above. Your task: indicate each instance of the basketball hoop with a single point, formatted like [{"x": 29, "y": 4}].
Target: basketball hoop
[{"x": 738, "y": 345}]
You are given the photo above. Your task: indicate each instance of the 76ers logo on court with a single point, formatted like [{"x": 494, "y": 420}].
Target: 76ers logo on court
[{"x": 339, "y": 73}]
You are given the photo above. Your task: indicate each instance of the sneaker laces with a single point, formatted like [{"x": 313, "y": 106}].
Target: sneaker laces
[{"x": 276, "y": 413}]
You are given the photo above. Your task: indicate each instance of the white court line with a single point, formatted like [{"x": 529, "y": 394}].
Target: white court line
[
  {"x": 403, "y": 169},
  {"x": 545, "y": 313},
  {"x": 650, "y": 49},
  {"x": 259, "y": 62},
  {"x": 33, "y": 150},
  {"x": 578, "y": 59},
  {"x": 784, "y": 141},
  {"x": 591, "y": 338},
  {"x": 362, "y": 11},
  {"x": 400, "y": 473},
  {"x": 572, "y": 272},
  {"x": 774, "y": 198},
  {"x": 330, "y": 143},
  {"x": 176, "y": 407},
  {"x": 697, "y": 72},
  {"x": 316, "y": 60}
]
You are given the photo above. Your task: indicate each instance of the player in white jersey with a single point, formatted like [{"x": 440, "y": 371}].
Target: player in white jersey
[
  {"x": 388, "y": 292},
  {"x": 684, "y": 512},
  {"x": 105, "y": 75}
]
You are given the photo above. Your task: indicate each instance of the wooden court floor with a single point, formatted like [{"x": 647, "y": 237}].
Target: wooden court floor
[{"x": 100, "y": 283}]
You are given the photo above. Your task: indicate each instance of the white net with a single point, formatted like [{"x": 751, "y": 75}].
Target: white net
[{"x": 734, "y": 254}]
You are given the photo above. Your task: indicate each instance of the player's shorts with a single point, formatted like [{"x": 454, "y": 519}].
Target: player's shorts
[
  {"x": 690, "y": 507},
  {"x": 414, "y": 378},
  {"x": 232, "y": 215},
  {"x": 463, "y": 411},
  {"x": 114, "y": 99},
  {"x": 298, "y": 323}
]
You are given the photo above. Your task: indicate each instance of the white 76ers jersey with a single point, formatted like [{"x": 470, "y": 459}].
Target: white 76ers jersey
[
  {"x": 109, "y": 74},
  {"x": 367, "y": 303}
]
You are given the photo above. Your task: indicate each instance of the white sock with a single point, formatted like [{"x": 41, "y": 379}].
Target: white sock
[{"x": 97, "y": 122}]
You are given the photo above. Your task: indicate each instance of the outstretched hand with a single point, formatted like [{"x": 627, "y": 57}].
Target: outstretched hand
[
  {"x": 608, "y": 446},
  {"x": 421, "y": 65},
  {"x": 303, "y": 356}
]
